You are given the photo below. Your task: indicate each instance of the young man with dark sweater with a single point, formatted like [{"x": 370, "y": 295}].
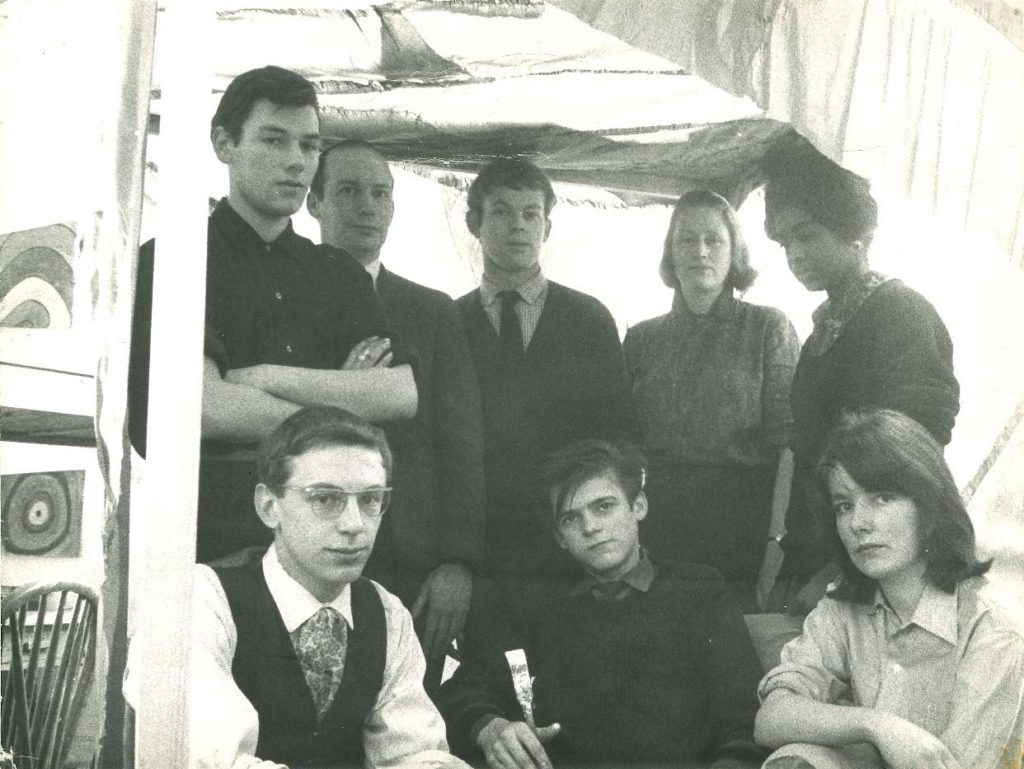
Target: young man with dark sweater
[
  {"x": 548, "y": 360},
  {"x": 636, "y": 663}
]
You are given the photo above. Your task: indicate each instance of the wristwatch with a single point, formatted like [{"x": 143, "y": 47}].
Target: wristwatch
[{"x": 776, "y": 538}]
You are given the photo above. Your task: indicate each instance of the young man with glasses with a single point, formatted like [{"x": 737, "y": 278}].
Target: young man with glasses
[
  {"x": 297, "y": 659},
  {"x": 635, "y": 663}
]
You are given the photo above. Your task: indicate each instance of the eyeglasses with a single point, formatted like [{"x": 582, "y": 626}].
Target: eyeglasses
[{"x": 328, "y": 502}]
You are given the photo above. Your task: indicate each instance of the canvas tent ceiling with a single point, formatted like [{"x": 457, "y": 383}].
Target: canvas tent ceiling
[
  {"x": 449, "y": 90},
  {"x": 920, "y": 96},
  {"x": 925, "y": 97}
]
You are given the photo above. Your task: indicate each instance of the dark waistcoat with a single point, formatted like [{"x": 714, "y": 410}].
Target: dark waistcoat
[{"x": 268, "y": 673}]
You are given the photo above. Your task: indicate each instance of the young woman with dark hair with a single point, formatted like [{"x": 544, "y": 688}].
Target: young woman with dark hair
[{"x": 908, "y": 662}]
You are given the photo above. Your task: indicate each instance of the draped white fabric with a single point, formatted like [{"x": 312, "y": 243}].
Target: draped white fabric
[{"x": 922, "y": 97}]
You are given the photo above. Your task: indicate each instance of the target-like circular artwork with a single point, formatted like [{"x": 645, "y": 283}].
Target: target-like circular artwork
[{"x": 42, "y": 513}]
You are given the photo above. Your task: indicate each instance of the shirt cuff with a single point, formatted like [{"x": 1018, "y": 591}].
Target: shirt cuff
[{"x": 790, "y": 679}]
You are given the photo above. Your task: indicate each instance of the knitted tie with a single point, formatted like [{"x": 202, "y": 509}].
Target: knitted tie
[
  {"x": 320, "y": 645},
  {"x": 510, "y": 334}
]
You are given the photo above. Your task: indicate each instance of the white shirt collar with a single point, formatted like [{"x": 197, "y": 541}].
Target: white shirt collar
[
  {"x": 294, "y": 602},
  {"x": 936, "y": 612},
  {"x": 374, "y": 269}
]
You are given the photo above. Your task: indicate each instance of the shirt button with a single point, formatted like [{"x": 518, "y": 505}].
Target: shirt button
[
  {"x": 288, "y": 349},
  {"x": 268, "y": 247},
  {"x": 278, "y": 296},
  {"x": 896, "y": 668}
]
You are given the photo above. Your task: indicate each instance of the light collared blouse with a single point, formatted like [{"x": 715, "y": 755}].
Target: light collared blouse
[
  {"x": 955, "y": 668},
  {"x": 403, "y": 730}
]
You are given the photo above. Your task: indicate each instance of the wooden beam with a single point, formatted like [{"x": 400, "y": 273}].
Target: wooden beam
[{"x": 168, "y": 498}]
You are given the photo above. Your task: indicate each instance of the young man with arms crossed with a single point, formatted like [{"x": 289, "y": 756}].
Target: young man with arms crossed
[
  {"x": 297, "y": 659},
  {"x": 635, "y": 663},
  {"x": 432, "y": 538},
  {"x": 283, "y": 322}
]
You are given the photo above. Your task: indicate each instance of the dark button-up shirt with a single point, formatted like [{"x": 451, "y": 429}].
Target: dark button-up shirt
[
  {"x": 637, "y": 579},
  {"x": 285, "y": 302}
]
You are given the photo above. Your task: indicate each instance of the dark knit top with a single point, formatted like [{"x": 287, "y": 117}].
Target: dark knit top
[
  {"x": 570, "y": 384},
  {"x": 663, "y": 677},
  {"x": 894, "y": 353},
  {"x": 268, "y": 673}
]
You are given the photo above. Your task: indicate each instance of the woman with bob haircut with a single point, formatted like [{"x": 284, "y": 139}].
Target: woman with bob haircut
[
  {"x": 711, "y": 381},
  {"x": 908, "y": 662}
]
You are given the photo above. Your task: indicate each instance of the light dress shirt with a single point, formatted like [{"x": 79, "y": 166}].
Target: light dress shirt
[
  {"x": 955, "y": 668},
  {"x": 532, "y": 294},
  {"x": 374, "y": 269},
  {"x": 404, "y": 728}
]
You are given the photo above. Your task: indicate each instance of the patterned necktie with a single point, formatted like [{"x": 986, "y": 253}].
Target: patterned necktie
[
  {"x": 320, "y": 645},
  {"x": 510, "y": 333}
]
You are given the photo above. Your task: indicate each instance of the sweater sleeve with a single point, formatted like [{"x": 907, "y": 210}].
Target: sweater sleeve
[
  {"x": 912, "y": 363},
  {"x": 612, "y": 403},
  {"x": 781, "y": 350},
  {"x": 735, "y": 674},
  {"x": 482, "y": 684},
  {"x": 458, "y": 430}
]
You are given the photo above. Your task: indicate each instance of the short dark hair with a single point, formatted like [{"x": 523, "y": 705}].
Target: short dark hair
[
  {"x": 741, "y": 275},
  {"x": 311, "y": 428},
  {"x": 513, "y": 173},
  {"x": 275, "y": 84},
  {"x": 566, "y": 469},
  {"x": 317, "y": 185},
  {"x": 884, "y": 450},
  {"x": 839, "y": 200}
]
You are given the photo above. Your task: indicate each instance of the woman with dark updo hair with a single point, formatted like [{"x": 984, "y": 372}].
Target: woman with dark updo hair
[
  {"x": 711, "y": 383},
  {"x": 876, "y": 343}
]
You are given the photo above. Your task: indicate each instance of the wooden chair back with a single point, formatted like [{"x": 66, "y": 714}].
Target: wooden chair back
[{"x": 49, "y": 650}]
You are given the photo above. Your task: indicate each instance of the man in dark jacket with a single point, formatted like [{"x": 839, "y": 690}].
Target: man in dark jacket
[{"x": 432, "y": 540}]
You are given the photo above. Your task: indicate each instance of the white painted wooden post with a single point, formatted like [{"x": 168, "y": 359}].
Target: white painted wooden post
[{"x": 168, "y": 499}]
